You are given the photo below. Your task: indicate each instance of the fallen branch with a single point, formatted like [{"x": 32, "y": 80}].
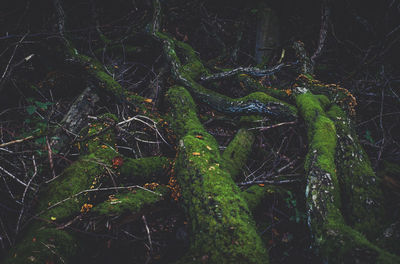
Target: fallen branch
[
  {"x": 276, "y": 182},
  {"x": 245, "y": 70},
  {"x": 16, "y": 141}
]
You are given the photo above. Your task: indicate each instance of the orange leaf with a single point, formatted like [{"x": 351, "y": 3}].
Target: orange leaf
[
  {"x": 199, "y": 136},
  {"x": 196, "y": 153},
  {"x": 261, "y": 185},
  {"x": 148, "y": 100},
  {"x": 117, "y": 161}
]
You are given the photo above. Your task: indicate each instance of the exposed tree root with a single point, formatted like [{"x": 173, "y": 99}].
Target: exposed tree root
[{"x": 212, "y": 200}]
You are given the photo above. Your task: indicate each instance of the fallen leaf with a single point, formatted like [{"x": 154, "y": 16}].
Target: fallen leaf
[
  {"x": 208, "y": 147},
  {"x": 196, "y": 153}
]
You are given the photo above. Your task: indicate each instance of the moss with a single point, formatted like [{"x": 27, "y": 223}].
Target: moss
[
  {"x": 343, "y": 244},
  {"x": 104, "y": 81},
  {"x": 187, "y": 73},
  {"x": 335, "y": 241},
  {"x": 131, "y": 202},
  {"x": 361, "y": 193},
  {"x": 321, "y": 133},
  {"x": 77, "y": 177},
  {"x": 235, "y": 155},
  {"x": 221, "y": 224},
  {"x": 255, "y": 194},
  {"x": 253, "y": 85},
  {"x": 184, "y": 119},
  {"x": 45, "y": 245},
  {"x": 141, "y": 170}
]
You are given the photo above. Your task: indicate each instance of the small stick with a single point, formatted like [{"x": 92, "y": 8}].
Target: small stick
[
  {"x": 16, "y": 141},
  {"x": 24, "y": 194},
  {"x": 148, "y": 234},
  {"x": 269, "y": 182}
]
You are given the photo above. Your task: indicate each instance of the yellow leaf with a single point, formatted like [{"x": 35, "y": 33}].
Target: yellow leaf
[
  {"x": 53, "y": 218},
  {"x": 208, "y": 147},
  {"x": 148, "y": 100}
]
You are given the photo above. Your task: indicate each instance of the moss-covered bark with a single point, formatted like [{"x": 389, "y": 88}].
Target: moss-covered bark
[
  {"x": 141, "y": 170},
  {"x": 335, "y": 241},
  {"x": 237, "y": 152},
  {"x": 222, "y": 228},
  {"x": 131, "y": 202},
  {"x": 44, "y": 242},
  {"x": 362, "y": 198},
  {"x": 188, "y": 69}
]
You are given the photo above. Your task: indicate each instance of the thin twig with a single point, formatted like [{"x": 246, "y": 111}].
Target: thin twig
[
  {"x": 263, "y": 128},
  {"x": 16, "y": 141},
  {"x": 248, "y": 70},
  {"x": 269, "y": 182},
  {"x": 12, "y": 57},
  {"x": 24, "y": 194},
  {"x": 15, "y": 178},
  {"x": 148, "y": 237}
]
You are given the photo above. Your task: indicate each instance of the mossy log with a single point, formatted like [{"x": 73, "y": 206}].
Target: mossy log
[
  {"x": 222, "y": 229},
  {"x": 362, "y": 197},
  {"x": 48, "y": 239},
  {"x": 44, "y": 241},
  {"x": 187, "y": 68},
  {"x": 132, "y": 202},
  {"x": 236, "y": 153},
  {"x": 141, "y": 170},
  {"x": 334, "y": 240}
]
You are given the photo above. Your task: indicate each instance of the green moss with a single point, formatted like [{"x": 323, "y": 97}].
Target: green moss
[
  {"x": 79, "y": 176},
  {"x": 45, "y": 245},
  {"x": 76, "y": 178},
  {"x": 255, "y": 194},
  {"x": 221, "y": 224},
  {"x": 321, "y": 133},
  {"x": 192, "y": 69},
  {"x": 254, "y": 86},
  {"x": 141, "y": 170},
  {"x": 184, "y": 119},
  {"x": 132, "y": 202},
  {"x": 336, "y": 241},
  {"x": 235, "y": 155},
  {"x": 361, "y": 193},
  {"x": 340, "y": 243}
]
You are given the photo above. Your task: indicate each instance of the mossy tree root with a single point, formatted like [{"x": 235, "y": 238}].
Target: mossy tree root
[
  {"x": 335, "y": 241},
  {"x": 132, "y": 202},
  {"x": 222, "y": 229},
  {"x": 236, "y": 153},
  {"x": 362, "y": 198},
  {"x": 47, "y": 240},
  {"x": 143, "y": 170},
  {"x": 44, "y": 242},
  {"x": 187, "y": 68}
]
